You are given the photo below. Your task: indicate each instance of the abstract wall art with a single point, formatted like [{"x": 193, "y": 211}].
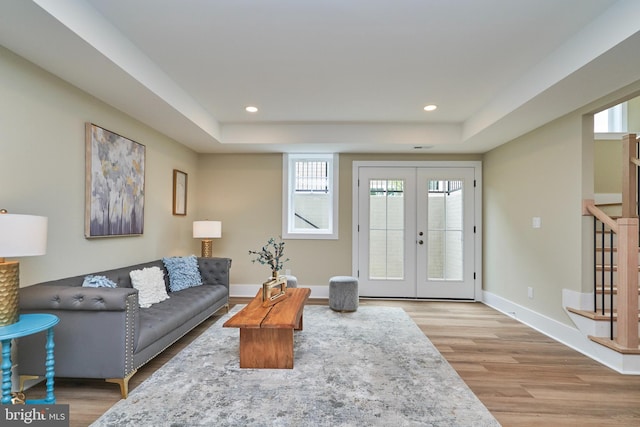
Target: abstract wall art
[{"x": 114, "y": 188}]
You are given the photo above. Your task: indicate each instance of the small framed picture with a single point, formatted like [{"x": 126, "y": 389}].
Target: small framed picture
[{"x": 179, "y": 192}]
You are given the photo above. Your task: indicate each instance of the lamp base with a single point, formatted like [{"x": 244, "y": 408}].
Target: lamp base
[
  {"x": 207, "y": 248},
  {"x": 9, "y": 285}
]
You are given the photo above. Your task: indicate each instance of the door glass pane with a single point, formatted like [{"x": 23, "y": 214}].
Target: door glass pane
[
  {"x": 435, "y": 263},
  {"x": 445, "y": 230},
  {"x": 386, "y": 229}
]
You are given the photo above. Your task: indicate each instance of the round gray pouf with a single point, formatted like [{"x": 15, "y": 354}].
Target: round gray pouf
[
  {"x": 292, "y": 281},
  {"x": 343, "y": 293}
]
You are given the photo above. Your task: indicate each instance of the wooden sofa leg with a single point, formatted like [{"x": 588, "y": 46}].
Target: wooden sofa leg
[{"x": 123, "y": 382}]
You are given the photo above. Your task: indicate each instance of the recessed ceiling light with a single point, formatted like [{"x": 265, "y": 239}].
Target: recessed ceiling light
[
  {"x": 430, "y": 107},
  {"x": 251, "y": 109}
]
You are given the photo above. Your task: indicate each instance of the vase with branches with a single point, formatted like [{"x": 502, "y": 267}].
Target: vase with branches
[{"x": 272, "y": 255}]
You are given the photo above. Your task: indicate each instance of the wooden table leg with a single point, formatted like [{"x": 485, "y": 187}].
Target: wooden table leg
[
  {"x": 299, "y": 324},
  {"x": 266, "y": 348}
]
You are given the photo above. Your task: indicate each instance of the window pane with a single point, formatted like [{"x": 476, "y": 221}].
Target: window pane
[
  {"x": 435, "y": 262},
  {"x": 445, "y": 228},
  {"x": 614, "y": 119},
  {"x": 453, "y": 268},
  {"x": 311, "y": 210},
  {"x": 386, "y": 229},
  {"x": 311, "y": 176}
]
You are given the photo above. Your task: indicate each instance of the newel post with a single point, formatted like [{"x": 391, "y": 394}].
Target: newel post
[
  {"x": 627, "y": 300},
  {"x": 629, "y": 176}
]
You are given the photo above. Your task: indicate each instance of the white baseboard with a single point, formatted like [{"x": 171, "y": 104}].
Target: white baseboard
[
  {"x": 565, "y": 334},
  {"x": 250, "y": 291}
]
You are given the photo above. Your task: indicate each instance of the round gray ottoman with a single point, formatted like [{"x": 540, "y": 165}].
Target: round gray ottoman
[
  {"x": 292, "y": 281},
  {"x": 343, "y": 293}
]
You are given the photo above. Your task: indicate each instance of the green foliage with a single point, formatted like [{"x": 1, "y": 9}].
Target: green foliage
[{"x": 271, "y": 254}]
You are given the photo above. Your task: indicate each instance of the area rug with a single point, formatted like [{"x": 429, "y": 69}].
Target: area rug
[{"x": 372, "y": 367}]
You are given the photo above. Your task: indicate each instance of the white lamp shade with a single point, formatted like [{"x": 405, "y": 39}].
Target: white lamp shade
[
  {"x": 207, "y": 229},
  {"x": 22, "y": 235}
]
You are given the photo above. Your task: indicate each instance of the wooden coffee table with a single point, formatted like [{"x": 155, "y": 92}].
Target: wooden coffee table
[{"x": 266, "y": 333}]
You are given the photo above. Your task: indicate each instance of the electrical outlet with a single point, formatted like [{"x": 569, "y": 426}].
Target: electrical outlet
[
  {"x": 530, "y": 292},
  {"x": 287, "y": 272},
  {"x": 536, "y": 222}
]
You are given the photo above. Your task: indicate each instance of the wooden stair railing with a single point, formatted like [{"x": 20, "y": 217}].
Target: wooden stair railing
[
  {"x": 627, "y": 231},
  {"x": 627, "y": 288}
]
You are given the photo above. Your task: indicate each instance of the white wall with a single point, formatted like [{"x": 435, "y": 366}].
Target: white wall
[{"x": 42, "y": 172}]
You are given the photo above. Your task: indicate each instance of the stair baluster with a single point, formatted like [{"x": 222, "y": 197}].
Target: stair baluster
[{"x": 610, "y": 286}]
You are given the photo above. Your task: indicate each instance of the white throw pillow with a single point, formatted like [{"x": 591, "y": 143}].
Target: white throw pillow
[{"x": 150, "y": 285}]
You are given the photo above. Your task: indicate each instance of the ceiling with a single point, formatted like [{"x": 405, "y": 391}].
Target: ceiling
[{"x": 334, "y": 75}]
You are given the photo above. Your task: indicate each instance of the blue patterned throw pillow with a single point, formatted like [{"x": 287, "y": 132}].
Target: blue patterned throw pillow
[
  {"x": 183, "y": 272},
  {"x": 92, "y": 281}
]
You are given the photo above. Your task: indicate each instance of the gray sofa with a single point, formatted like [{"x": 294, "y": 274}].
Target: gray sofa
[{"x": 103, "y": 333}]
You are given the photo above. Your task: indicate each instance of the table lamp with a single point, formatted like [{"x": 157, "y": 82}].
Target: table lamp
[
  {"x": 20, "y": 235},
  {"x": 207, "y": 230}
]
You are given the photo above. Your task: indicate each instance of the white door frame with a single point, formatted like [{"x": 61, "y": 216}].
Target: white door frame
[{"x": 476, "y": 165}]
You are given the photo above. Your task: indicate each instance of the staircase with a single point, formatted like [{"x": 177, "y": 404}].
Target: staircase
[
  {"x": 612, "y": 317},
  {"x": 600, "y": 324}
]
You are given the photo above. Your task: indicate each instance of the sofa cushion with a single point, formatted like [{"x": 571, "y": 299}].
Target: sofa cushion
[
  {"x": 162, "y": 318},
  {"x": 183, "y": 272},
  {"x": 150, "y": 285},
  {"x": 92, "y": 281}
]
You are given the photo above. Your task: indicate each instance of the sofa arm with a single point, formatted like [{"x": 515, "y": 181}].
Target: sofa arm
[
  {"x": 76, "y": 298},
  {"x": 215, "y": 271},
  {"x": 96, "y": 336}
]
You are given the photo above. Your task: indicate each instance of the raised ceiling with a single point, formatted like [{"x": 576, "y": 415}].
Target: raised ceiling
[{"x": 334, "y": 75}]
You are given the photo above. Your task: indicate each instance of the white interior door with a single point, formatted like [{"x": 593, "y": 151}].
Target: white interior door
[{"x": 415, "y": 235}]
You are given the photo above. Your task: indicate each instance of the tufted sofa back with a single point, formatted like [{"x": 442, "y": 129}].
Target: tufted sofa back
[
  {"x": 212, "y": 270},
  {"x": 215, "y": 271}
]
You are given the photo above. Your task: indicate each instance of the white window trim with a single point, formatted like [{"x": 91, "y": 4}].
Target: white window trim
[{"x": 287, "y": 183}]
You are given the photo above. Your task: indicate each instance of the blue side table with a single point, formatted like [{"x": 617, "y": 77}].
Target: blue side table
[{"x": 28, "y": 324}]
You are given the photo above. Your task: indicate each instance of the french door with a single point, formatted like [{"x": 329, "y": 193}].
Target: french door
[{"x": 416, "y": 232}]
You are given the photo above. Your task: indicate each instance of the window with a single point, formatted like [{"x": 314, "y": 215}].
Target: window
[
  {"x": 310, "y": 202},
  {"x": 611, "y": 120}
]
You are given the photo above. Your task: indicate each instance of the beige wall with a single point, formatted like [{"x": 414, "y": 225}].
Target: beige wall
[
  {"x": 608, "y": 166},
  {"x": 42, "y": 172},
  {"x": 633, "y": 115},
  {"x": 608, "y": 154},
  {"x": 537, "y": 175},
  {"x": 244, "y": 191},
  {"x": 545, "y": 173}
]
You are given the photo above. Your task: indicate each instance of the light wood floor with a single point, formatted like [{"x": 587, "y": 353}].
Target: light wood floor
[{"x": 523, "y": 377}]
